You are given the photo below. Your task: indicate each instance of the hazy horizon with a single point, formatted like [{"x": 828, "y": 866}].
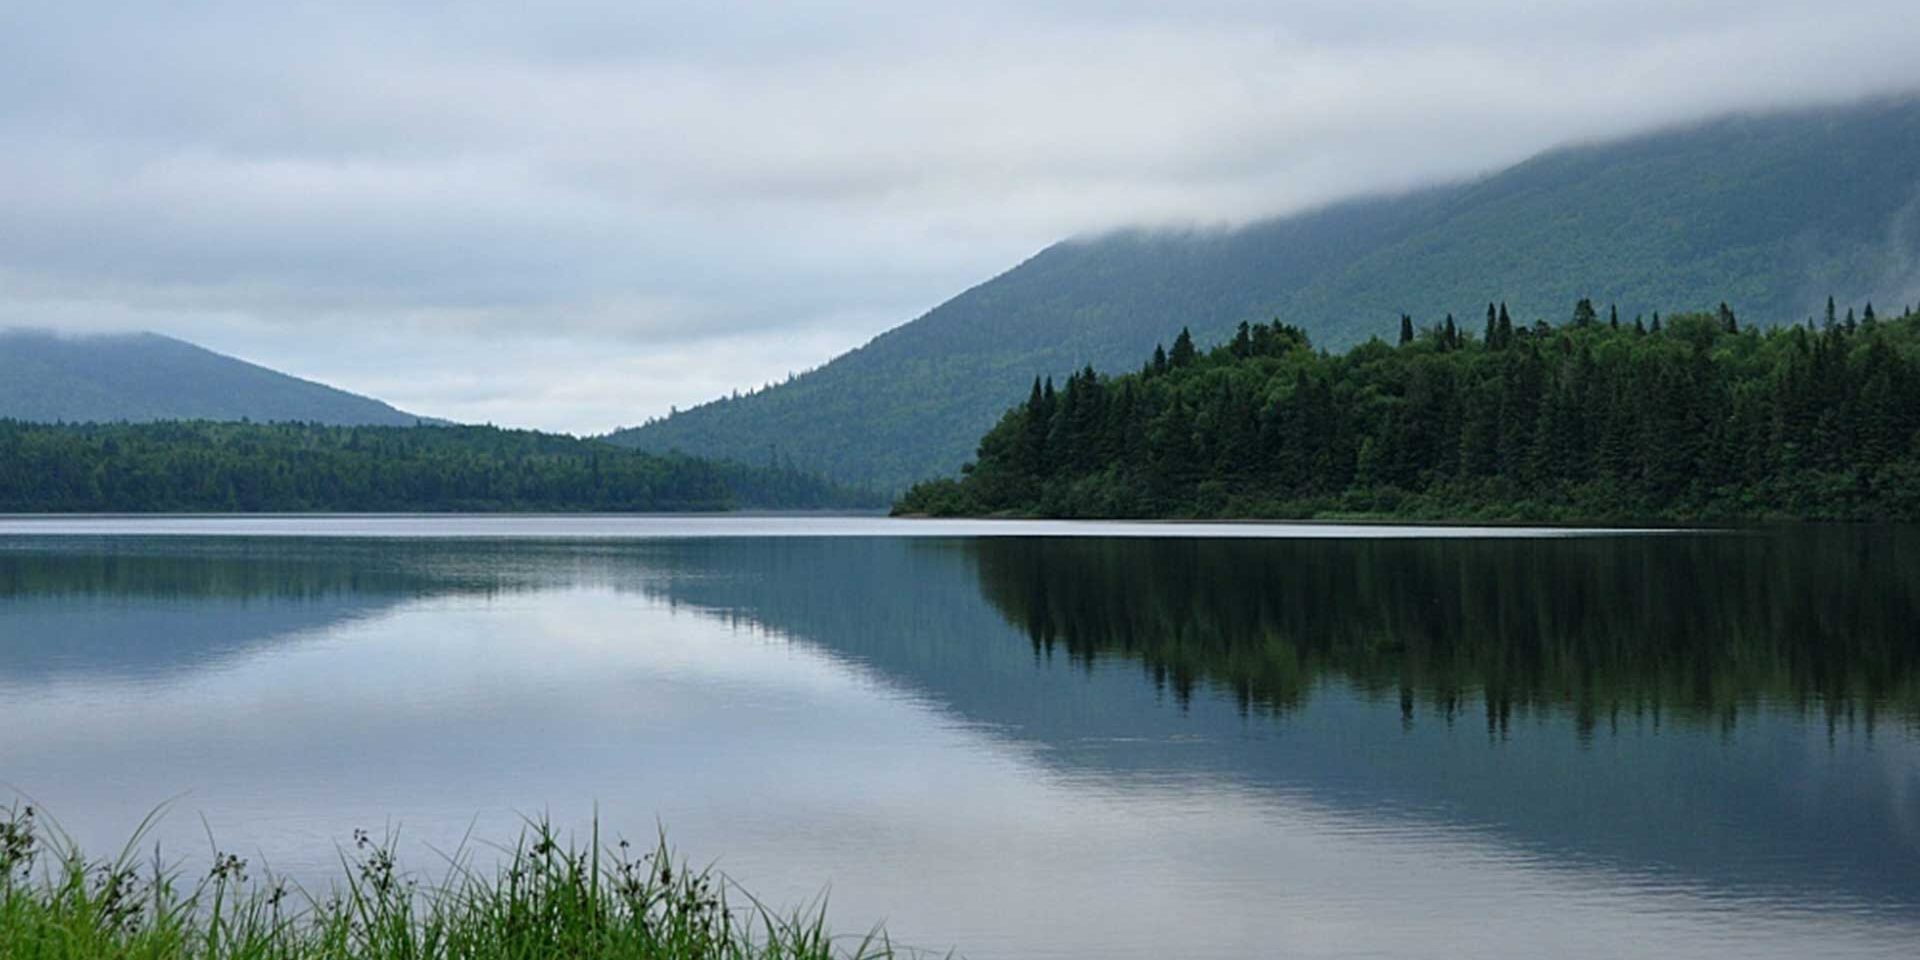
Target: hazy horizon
[{"x": 576, "y": 219}]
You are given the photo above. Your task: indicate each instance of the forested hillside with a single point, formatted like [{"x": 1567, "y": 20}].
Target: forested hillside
[
  {"x": 1697, "y": 418},
  {"x": 204, "y": 466},
  {"x": 47, "y": 377},
  {"x": 1770, "y": 213}
]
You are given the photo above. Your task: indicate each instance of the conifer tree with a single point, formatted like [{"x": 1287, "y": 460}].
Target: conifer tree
[
  {"x": 1406, "y": 329},
  {"x": 1033, "y": 445},
  {"x": 1583, "y": 315},
  {"x": 1613, "y": 316},
  {"x": 1183, "y": 352}
]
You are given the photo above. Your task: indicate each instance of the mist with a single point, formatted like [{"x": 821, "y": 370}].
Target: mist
[{"x": 578, "y": 216}]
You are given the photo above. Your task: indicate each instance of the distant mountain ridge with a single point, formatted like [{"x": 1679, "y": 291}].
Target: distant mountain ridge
[
  {"x": 50, "y": 377},
  {"x": 1771, "y": 212}
]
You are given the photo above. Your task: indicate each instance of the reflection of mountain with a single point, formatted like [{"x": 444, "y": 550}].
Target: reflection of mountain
[
  {"x": 1693, "y": 629},
  {"x": 1274, "y": 665},
  {"x": 54, "y": 637},
  {"x": 125, "y": 607}
]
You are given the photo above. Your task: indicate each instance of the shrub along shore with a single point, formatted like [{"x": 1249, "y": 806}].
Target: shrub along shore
[{"x": 548, "y": 897}]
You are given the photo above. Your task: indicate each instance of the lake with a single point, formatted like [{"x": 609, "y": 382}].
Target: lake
[{"x": 1038, "y": 740}]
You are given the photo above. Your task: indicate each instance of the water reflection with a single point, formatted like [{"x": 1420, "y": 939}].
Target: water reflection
[
  {"x": 1697, "y": 627},
  {"x": 1355, "y": 656},
  {"x": 1723, "y": 723}
]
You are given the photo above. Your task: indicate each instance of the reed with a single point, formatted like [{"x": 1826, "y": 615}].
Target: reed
[{"x": 542, "y": 897}]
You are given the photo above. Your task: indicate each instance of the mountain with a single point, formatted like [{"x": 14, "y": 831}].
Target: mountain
[
  {"x": 1771, "y": 212},
  {"x": 50, "y": 377}
]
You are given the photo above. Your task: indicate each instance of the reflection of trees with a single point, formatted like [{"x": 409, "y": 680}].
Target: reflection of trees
[
  {"x": 1695, "y": 626},
  {"x": 1698, "y": 626}
]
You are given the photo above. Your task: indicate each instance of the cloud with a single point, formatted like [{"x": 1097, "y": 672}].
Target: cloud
[{"x": 573, "y": 215}]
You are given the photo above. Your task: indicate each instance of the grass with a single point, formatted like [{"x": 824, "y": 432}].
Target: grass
[{"x": 544, "y": 898}]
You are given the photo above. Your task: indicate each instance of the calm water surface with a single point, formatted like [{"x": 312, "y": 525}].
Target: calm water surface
[{"x": 1025, "y": 740}]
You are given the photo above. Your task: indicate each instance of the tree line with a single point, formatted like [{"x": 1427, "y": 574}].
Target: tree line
[
  {"x": 1688, "y": 418},
  {"x": 207, "y": 466}
]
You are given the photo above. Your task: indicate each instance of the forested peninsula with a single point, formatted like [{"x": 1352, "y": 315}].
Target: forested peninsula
[
  {"x": 1695, "y": 418},
  {"x": 202, "y": 466}
]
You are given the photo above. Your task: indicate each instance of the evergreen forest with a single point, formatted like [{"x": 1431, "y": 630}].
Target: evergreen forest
[
  {"x": 192, "y": 466},
  {"x": 1690, "y": 418}
]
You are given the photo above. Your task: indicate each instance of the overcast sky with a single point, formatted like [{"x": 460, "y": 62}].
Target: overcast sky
[{"x": 572, "y": 215}]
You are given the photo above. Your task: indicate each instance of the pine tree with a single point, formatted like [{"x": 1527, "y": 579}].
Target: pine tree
[
  {"x": 1506, "y": 327},
  {"x": 1583, "y": 315},
  {"x": 1406, "y": 329},
  {"x": 1159, "y": 360},
  {"x": 1479, "y": 434},
  {"x": 1613, "y": 316},
  {"x": 1183, "y": 351},
  {"x": 1728, "y": 324},
  {"x": 1830, "y": 315},
  {"x": 1493, "y": 328},
  {"x": 1366, "y": 465},
  {"x": 1450, "y": 334},
  {"x": 1033, "y": 446}
]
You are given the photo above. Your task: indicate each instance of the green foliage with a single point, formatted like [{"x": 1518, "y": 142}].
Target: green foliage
[
  {"x": 1768, "y": 213},
  {"x": 548, "y": 898},
  {"x": 200, "y": 466},
  {"x": 1703, "y": 421}
]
